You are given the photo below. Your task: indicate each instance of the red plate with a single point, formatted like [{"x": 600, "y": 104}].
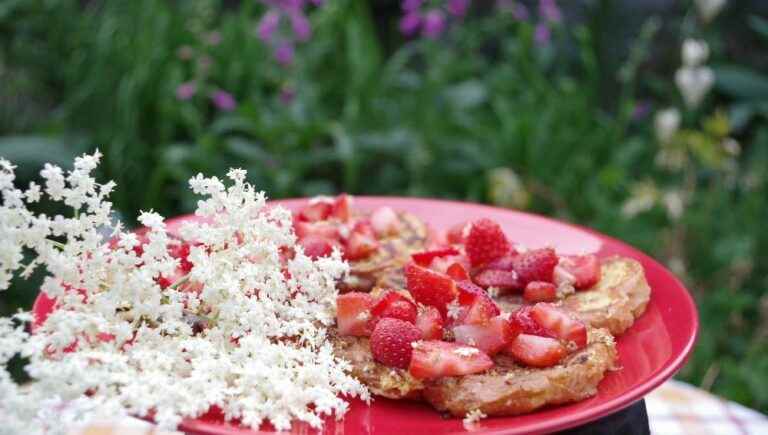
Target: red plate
[{"x": 653, "y": 350}]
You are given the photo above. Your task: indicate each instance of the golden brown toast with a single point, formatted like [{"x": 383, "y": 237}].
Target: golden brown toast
[
  {"x": 506, "y": 389},
  {"x": 614, "y": 303},
  {"x": 393, "y": 253}
]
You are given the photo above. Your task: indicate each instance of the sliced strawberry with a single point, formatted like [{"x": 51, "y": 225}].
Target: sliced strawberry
[
  {"x": 431, "y": 323},
  {"x": 560, "y": 324},
  {"x": 501, "y": 279},
  {"x": 429, "y": 287},
  {"x": 425, "y": 258},
  {"x": 353, "y": 313},
  {"x": 322, "y": 229},
  {"x": 318, "y": 209},
  {"x": 457, "y": 234},
  {"x": 441, "y": 264},
  {"x": 391, "y": 342},
  {"x": 489, "y": 337},
  {"x": 486, "y": 242},
  {"x": 480, "y": 312},
  {"x": 457, "y": 272},
  {"x": 536, "y": 265},
  {"x": 393, "y": 305},
  {"x": 362, "y": 242},
  {"x": 181, "y": 251},
  {"x": 505, "y": 262},
  {"x": 317, "y": 246},
  {"x": 536, "y": 351},
  {"x": 468, "y": 292},
  {"x": 522, "y": 320},
  {"x": 385, "y": 222},
  {"x": 585, "y": 269},
  {"x": 342, "y": 207},
  {"x": 434, "y": 359},
  {"x": 540, "y": 291}
]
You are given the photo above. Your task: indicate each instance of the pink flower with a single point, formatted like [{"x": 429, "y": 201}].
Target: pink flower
[
  {"x": 434, "y": 24},
  {"x": 223, "y": 100},
  {"x": 411, "y": 5},
  {"x": 284, "y": 53},
  {"x": 549, "y": 11},
  {"x": 541, "y": 34},
  {"x": 268, "y": 25},
  {"x": 185, "y": 91},
  {"x": 301, "y": 27},
  {"x": 410, "y": 23},
  {"x": 458, "y": 8}
]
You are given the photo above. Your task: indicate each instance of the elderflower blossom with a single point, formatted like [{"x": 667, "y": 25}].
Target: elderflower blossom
[{"x": 118, "y": 343}]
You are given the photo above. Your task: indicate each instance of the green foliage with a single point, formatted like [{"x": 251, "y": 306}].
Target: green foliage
[{"x": 483, "y": 114}]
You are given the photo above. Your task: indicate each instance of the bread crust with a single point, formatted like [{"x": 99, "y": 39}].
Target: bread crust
[{"x": 621, "y": 296}]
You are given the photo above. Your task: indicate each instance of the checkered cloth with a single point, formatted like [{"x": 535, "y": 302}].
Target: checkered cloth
[
  {"x": 679, "y": 408},
  {"x": 674, "y": 408}
]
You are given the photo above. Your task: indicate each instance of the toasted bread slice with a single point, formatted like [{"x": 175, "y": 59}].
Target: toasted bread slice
[
  {"x": 393, "y": 253},
  {"x": 506, "y": 389},
  {"x": 510, "y": 389},
  {"x": 614, "y": 303}
]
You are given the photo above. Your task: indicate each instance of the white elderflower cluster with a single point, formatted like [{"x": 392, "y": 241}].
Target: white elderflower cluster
[{"x": 120, "y": 343}]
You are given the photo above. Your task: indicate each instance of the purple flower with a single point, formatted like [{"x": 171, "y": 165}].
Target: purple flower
[
  {"x": 317, "y": 2},
  {"x": 410, "y": 23},
  {"x": 213, "y": 38},
  {"x": 186, "y": 90},
  {"x": 549, "y": 11},
  {"x": 284, "y": 53},
  {"x": 287, "y": 94},
  {"x": 541, "y": 34},
  {"x": 411, "y": 5},
  {"x": 641, "y": 110},
  {"x": 268, "y": 25},
  {"x": 223, "y": 100},
  {"x": 434, "y": 24},
  {"x": 520, "y": 12},
  {"x": 458, "y": 8},
  {"x": 301, "y": 27}
]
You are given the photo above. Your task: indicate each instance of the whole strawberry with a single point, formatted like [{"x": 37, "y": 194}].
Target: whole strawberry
[
  {"x": 391, "y": 342},
  {"x": 485, "y": 242},
  {"x": 535, "y": 265}
]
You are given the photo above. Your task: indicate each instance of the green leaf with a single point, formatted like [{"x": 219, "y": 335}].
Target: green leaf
[
  {"x": 741, "y": 82},
  {"x": 30, "y": 153},
  {"x": 467, "y": 95}
]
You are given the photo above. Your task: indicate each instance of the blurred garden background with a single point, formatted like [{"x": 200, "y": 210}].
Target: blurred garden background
[{"x": 646, "y": 120}]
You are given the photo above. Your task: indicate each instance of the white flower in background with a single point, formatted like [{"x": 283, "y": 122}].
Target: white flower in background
[
  {"x": 694, "y": 52},
  {"x": 674, "y": 203},
  {"x": 666, "y": 123},
  {"x": 694, "y": 83},
  {"x": 708, "y": 9},
  {"x": 643, "y": 196},
  {"x": 130, "y": 347},
  {"x": 731, "y": 146}
]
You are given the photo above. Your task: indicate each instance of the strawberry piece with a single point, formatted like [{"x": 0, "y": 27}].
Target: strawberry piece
[
  {"x": 522, "y": 320},
  {"x": 457, "y": 234},
  {"x": 536, "y": 351},
  {"x": 391, "y": 342},
  {"x": 434, "y": 359},
  {"x": 385, "y": 222},
  {"x": 490, "y": 337},
  {"x": 425, "y": 258},
  {"x": 318, "y": 209},
  {"x": 585, "y": 269},
  {"x": 505, "y": 262},
  {"x": 342, "y": 207},
  {"x": 457, "y": 272},
  {"x": 560, "y": 324},
  {"x": 430, "y": 323},
  {"x": 393, "y": 305},
  {"x": 181, "y": 251},
  {"x": 317, "y": 246},
  {"x": 429, "y": 287},
  {"x": 540, "y": 291},
  {"x": 480, "y": 311},
  {"x": 536, "y": 265},
  {"x": 362, "y": 242},
  {"x": 321, "y": 229},
  {"x": 353, "y": 313},
  {"x": 486, "y": 242},
  {"x": 502, "y": 279}
]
